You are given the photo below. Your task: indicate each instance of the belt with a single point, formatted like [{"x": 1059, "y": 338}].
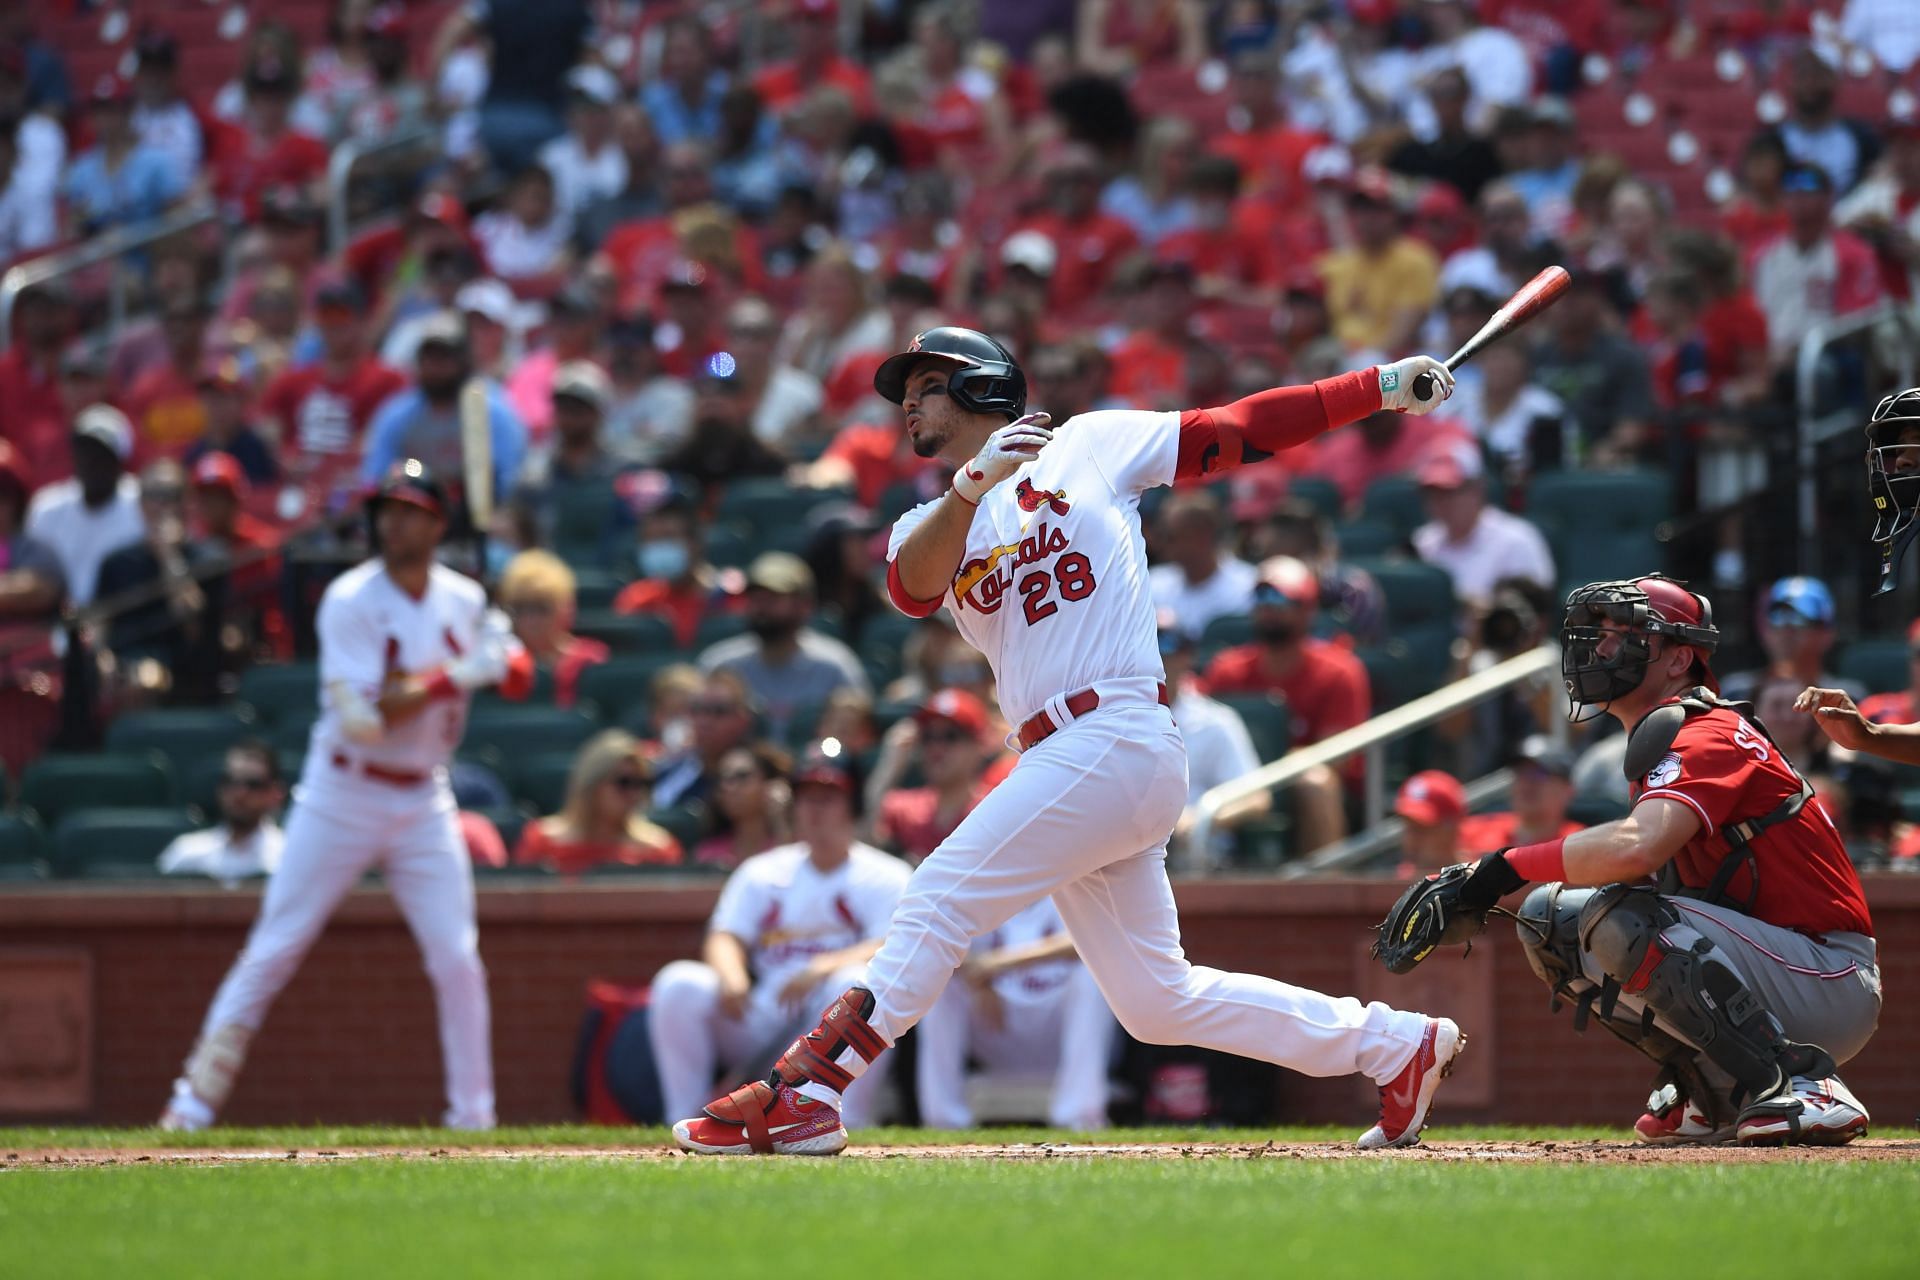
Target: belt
[
  {"x": 1040, "y": 725},
  {"x": 380, "y": 773}
]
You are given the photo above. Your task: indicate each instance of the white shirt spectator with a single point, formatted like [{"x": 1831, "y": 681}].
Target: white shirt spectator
[
  {"x": 790, "y": 399},
  {"x": 1509, "y": 432},
  {"x": 1219, "y": 749},
  {"x": 1798, "y": 288},
  {"x": 173, "y": 131},
  {"x": 579, "y": 178},
  {"x": 1876, "y": 202},
  {"x": 1889, "y": 29},
  {"x": 82, "y": 536},
  {"x": 214, "y": 853},
  {"x": 515, "y": 251},
  {"x": 40, "y": 146},
  {"x": 1195, "y": 604},
  {"x": 1475, "y": 268},
  {"x": 29, "y": 220},
  {"x": 646, "y": 422},
  {"x": 1501, "y": 545}
]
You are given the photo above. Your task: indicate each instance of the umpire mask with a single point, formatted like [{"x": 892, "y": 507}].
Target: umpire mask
[
  {"x": 1893, "y": 478},
  {"x": 1639, "y": 609}
]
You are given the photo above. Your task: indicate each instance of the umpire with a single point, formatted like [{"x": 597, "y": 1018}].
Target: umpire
[{"x": 1750, "y": 971}]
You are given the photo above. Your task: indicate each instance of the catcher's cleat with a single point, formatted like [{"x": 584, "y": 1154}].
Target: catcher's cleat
[
  {"x": 763, "y": 1119},
  {"x": 1672, "y": 1120},
  {"x": 1813, "y": 1113},
  {"x": 1406, "y": 1099}
]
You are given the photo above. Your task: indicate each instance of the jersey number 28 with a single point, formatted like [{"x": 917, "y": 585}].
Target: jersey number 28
[{"x": 1074, "y": 573}]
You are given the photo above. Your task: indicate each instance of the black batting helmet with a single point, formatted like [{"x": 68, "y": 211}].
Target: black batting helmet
[
  {"x": 409, "y": 481},
  {"x": 985, "y": 378}
]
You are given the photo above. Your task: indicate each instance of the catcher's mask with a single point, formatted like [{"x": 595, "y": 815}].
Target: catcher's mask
[
  {"x": 1893, "y": 478},
  {"x": 1641, "y": 608}
]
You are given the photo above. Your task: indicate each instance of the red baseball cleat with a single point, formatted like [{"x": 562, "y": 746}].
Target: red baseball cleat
[
  {"x": 1406, "y": 1099},
  {"x": 763, "y": 1119},
  {"x": 1674, "y": 1120}
]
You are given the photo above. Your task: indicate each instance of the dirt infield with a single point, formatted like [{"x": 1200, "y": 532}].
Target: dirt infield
[{"x": 1466, "y": 1152}]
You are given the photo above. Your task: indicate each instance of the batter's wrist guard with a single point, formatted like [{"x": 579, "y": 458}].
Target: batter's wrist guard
[{"x": 816, "y": 1056}]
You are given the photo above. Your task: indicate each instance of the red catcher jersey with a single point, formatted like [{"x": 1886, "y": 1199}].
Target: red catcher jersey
[{"x": 1726, "y": 771}]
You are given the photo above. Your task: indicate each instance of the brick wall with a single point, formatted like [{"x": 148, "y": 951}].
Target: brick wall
[{"x": 352, "y": 1039}]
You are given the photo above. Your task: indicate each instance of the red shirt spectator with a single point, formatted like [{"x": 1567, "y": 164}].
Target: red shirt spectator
[
  {"x": 265, "y": 151},
  {"x": 1386, "y": 444},
  {"x": 1485, "y": 832},
  {"x": 33, "y": 417},
  {"x": 685, "y": 605},
  {"x": 676, "y": 582},
  {"x": 873, "y": 458},
  {"x": 1325, "y": 685},
  {"x": 220, "y": 495},
  {"x": 543, "y": 847},
  {"x": 1901, "y": 706},
  {"x": 323, "y": 409},
  {"x": 1268, "y": 150},
  {"x": 1088, "y": 242},
  {"x": 164, "y": 402},
  {"x": 816, "y": 62}
]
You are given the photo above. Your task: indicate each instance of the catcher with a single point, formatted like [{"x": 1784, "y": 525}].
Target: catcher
[{"x": 1749, "y": 971}]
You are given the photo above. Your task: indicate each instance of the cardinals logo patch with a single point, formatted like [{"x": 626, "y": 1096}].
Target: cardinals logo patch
[{"x": 1032, "y": 499}]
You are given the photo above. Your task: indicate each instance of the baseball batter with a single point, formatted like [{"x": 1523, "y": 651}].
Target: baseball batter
[
  {"x": 1037, "y": 551},
  {"x": 403, "y": 643},
  {"x": 1022, "y": 1006}
]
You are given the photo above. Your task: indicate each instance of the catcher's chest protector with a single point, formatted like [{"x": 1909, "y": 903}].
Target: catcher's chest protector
[{"x": 1650, "y": 741}]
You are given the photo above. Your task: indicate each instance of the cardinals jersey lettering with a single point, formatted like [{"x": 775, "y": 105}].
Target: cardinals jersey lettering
[
  {"x": 1053, "y": 586},
  {"x": 787, "y": 910},
  {"x": 371, "y": 630}
]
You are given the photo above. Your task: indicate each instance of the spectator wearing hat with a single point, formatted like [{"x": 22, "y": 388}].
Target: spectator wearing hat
[
  {"x": 119, "y": 179},
  {"x": 587, "y": 161},
  {"x": 1219, "y": 748},
  {"x": 573, "y": 332},
  {"x": 1478, "y": 545},
  {"x": 1090, "y": 243},
  {"x": 246, "y": 843},
  {"x": 813, "y": 35},
  {"x": 787, "y": 665},
  {"x": 493, "y": 328},
  {"x": 1324, "y": 685},
  {"x": 164, "y": 402},
  {"x": 226, "y": 403},
  {"x": 423, "y": 421},
  {"x": 722, "y": 446},
  {"x": 32, "y": 583},
  {"x": 751, "y": 806},
  {"x": 1198, "y": 579},
  {"x": 442, "y": 272},
  {"x": 1796, "y": 634},
  {"x": 1381, "y": 286},
  {"x": 676, "y": 580},
  {"x": 536, "y": 591},
  {"x": 1814, "y": 132},
  {"x": 323, "y": 409},
  {"x": 162, "y": 117},
  {"x": 950, "y": 741},
  {"x": 1456, "y": 154},
  {"x": 1350, "y": 598},
  {"x": 221, "y": 524},
  {"x": 602, "y": 821},
  {"x": 266, "y": 151},
  {"x": 1898, "y": 706},
  {"x": 526, "y": 240},
  {"x": 1600, "y": 375},
  {"x": 35, "y": 419},
  {"x": 1812, "y": 272},
  {"x": 1431, "y": 804},
  {"x": 573, "y": 469},
  {"x": 1542, "y": 790},
  {"x": 1884, "y": 210}
]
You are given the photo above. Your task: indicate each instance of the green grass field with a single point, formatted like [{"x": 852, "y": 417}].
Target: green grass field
[{"x": 542, "y": 1210}]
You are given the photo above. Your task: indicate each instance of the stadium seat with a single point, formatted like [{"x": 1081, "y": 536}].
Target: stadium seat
[
  {"x": 717, "y": 627},
  {"x": 55, "y": 785},
  {"x": 181, "y": 734},
  {"x": 686, "y": 822},
  {"x": 278, "y": 691},
  {"x": 1394, "y": 501},
  {"x": 730, "y": 546},
  {"x": 115, "y": 843},
  {"x": 1269, "y": 722},
  {"x": 624, "y": 684},
  {"x": 22, "y": 852},
  {"x": 1419, "y": 595},
  {"x": 595, "y": 589},
  {"x": 540, "y": 693},
  {"x": 1363, "y": 539},
  {"x": 1323, "y": 494},
  {"x": 1225, "y": 631},
  {"x": 1265, "y": 840},
  {"x": 1882, "y": 663},
  {"x": 626, "y": 632},
  {"x": 585, "y": 532},
  {"x": 768, "y": 504},
  {"x": 1601, "y": 524},
  {"x": 540, "y": 780},
  {"x": 508, "y": 732}
]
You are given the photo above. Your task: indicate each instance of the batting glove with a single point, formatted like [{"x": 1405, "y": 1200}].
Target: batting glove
[
  {"x": 487, "y": 663},
  {"x": 1004, "y": 453},
  {"x": 1397, "y": 379},
  {"x": 359, "y": 719}
]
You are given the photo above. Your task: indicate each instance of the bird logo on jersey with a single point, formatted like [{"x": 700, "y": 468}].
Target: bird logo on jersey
[{"x": 1032, "y": 499}]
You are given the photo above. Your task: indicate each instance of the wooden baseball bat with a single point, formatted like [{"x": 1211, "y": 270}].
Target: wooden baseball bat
[{"x": 1533, "y": 297}]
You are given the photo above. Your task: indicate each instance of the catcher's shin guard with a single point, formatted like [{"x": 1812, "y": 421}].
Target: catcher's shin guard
[
  {"x": 823, "y": 1062},
  {"x": 1641, "y": 942}
]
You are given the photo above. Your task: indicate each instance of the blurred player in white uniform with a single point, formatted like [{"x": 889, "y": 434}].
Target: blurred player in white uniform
[
  {"x": 1025, "y": 1008},
  {"x": 794, "y": 927},
  {"x": 403, "y": 643},
  {"x": 1037, "y": 551}
]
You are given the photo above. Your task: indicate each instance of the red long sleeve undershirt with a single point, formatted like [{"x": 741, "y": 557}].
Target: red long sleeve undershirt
[{"x": 1262, "y": 424}]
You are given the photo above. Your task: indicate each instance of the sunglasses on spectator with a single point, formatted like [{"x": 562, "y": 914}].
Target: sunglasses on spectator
[
  {"x": 707, "y": 708},
  {"x": 630, "y": 781},
  {"x": 739, "y": 775},
  {"x": 246, "y": 781}
]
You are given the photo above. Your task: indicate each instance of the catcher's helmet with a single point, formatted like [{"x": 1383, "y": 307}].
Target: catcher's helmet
[
  {"x": 1893, "y": 477},
  {"x": 985, "y": 377},
  {"x": 411, "y": 482},
  {"x": 1644, "y": 608}
]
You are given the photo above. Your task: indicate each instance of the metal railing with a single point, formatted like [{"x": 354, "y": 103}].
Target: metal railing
[
  {"x": 349, "y": 156},
  {"x": 1372, "y": 736},
  {"x": 105, "y": 247}
]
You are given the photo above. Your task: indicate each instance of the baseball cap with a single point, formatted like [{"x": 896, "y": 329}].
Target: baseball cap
[
  {"x": 955, "y": 706},
  {"x": 340, "y": 293},
  {"x": 220, "y": 471},
  {"x": 1431, "y": 796},
  {"x": 489, "y": 298},
  {"x": 1537, "y": 751},
  {"x": 1451, "y": 466},
  {"x": 438, "y": 206},
  {"x": 595, "y": 84},
  {"x": 1033, "y": 250},
  {"x": 827, "y": 763},
  {"x": 110, "y": 90},
  {"x": 284, "y": 205},
  {"x": 106, "y": 425},
  {"x": 1371, "y": 185},
  {"x": 780, "y": 572},
  {"x": 1285, "y": 580},
  {"x": 582, "y": 380},
  {"x": 1800, "y": 602},
  {"x": 386, "y": 20},
  {"x": 445, "y": 329}
]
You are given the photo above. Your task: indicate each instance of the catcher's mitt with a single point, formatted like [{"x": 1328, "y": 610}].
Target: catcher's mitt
[{"x": 1428, "y": 915}]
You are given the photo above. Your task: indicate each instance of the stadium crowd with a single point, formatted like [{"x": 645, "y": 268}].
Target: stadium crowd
[{"x": 672, "y": 242}]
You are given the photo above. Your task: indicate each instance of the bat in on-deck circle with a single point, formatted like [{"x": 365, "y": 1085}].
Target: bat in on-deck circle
[
  {"x": 476, "y": 457},
  {"x": 1533, "y": 297}
]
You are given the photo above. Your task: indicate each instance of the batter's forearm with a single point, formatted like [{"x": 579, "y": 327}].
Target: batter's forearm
[
  {"x": 1258, "y": 426},
  {"x": 919, "y": 575}
]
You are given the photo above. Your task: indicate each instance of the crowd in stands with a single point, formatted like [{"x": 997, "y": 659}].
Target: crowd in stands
[{"x": 667, "y": 245}]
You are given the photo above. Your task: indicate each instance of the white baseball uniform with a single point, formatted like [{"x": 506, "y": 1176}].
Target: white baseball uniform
[
  {"x": 1052, "y": 1023},
  {"x": 1053, "y": 589},
  {"x": 388, "y": 805},
  {"x": 787, "y": 911}
]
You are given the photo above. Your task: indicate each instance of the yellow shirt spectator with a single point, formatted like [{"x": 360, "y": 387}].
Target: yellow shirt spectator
[{"x": 1376, "y": 299}]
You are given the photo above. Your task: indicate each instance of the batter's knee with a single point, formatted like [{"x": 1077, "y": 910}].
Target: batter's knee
[
  {"x": 1617, "y": 926},
  {"x": 1548, "y": 925}
]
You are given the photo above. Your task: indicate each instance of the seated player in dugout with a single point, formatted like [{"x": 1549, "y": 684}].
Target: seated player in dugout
[{"x": 1750, "y": 971}]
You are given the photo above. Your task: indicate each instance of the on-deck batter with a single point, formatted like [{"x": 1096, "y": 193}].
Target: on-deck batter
[
  {"x": 403, "y": 643},
  {"x": 1037, "y": 550}
]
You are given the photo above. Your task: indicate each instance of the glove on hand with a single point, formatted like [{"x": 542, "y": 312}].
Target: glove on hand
[
  {"x": 487, "y": 663},
  {"x": 1446, "y": 908},
  {"x": 1396, "y": 384},
  {"x": 1004, "y": 453}
]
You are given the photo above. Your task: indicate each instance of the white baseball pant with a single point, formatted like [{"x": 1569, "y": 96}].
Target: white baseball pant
[
  {"x": 1068, "y": 1035},
  {"x": 336, "y": 833},
  {"x": 1085, "y": 817},
  {"x": 692, "y": 1038}
]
